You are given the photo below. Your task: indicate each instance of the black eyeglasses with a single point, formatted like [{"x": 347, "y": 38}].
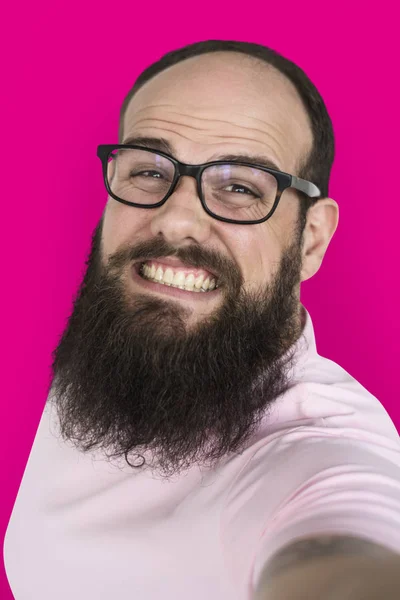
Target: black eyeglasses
[{"x": 233, "y": 192}]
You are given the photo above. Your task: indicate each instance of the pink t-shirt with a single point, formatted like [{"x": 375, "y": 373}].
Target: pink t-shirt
[{"x": 326, "y": 459}]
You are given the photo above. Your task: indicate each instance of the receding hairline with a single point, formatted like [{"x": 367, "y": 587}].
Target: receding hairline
[{"x": 243, "y": 57}]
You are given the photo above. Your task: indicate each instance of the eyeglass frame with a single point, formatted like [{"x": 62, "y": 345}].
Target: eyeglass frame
[{"x": 284, "y": 180}]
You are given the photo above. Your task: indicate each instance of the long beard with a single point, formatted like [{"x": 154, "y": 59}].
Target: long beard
[{"x": 131, "y": 379}]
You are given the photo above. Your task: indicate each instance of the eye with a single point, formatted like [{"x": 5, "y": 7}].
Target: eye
[
  {"x": 148, "y": 174},
  {"x": 241, "y": 189}
]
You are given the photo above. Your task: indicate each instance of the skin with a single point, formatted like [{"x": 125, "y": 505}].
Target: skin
[{"x": 177, "y": 382}]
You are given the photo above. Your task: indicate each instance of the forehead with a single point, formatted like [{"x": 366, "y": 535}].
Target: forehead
[{"x": 223, "y": 102}]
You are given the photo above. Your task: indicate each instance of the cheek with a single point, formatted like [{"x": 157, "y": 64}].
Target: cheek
[
  {"x": 120, "y": 225},
  {"x": 259, "y": 256}
]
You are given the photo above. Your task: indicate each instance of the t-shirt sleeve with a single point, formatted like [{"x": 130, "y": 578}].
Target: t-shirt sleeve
[{"x": 346, "y": 485}]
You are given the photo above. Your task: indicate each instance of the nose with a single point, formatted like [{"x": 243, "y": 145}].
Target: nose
[{"x": 182, "y": 216}]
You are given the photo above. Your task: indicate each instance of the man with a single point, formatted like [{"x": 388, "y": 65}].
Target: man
[{"x": 194, "y": 443}]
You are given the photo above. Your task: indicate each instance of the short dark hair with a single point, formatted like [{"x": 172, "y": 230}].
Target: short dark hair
[{"x": 316, "y": 167}]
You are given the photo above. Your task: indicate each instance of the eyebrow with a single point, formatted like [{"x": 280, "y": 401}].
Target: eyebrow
[{"x": 163, "y": 145}]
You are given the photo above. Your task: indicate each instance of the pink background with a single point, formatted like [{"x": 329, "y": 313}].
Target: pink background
[{"x": 65, "y": 70}]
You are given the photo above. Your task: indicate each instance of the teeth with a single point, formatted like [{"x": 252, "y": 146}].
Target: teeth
[
  {"x": 159, "y": 274},
  {"x": 178, "y": 279},
  {"x": 168, "y": 276},
  {"x": 189, "y": 282},
  {"x": 199, "y": 282}
]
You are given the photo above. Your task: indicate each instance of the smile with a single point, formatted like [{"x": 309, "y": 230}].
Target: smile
[
  {"x": 151, "y": 277},
  {"x": 178, "y": 278}
]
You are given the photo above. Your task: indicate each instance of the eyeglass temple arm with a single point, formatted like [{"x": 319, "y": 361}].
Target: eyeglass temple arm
[{"x": 306, "y": 187}]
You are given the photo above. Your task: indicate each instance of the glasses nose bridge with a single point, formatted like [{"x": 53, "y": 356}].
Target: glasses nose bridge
[
  {"x": 183, "y": 170},
  {"x": 189, "y": 170}
]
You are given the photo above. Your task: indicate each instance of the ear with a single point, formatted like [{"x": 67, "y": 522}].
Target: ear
[{"x": 322, "y": 221}]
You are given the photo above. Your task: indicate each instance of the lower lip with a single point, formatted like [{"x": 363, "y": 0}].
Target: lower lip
[{"x": 172, "y": 291}]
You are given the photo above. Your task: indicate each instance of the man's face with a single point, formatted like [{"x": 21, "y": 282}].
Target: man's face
[
  {"x": 187, "y": 375},
  {"x": 207, "y": 107}
]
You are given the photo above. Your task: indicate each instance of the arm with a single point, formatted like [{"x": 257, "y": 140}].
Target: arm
[{"x": 331, "y": 568}]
